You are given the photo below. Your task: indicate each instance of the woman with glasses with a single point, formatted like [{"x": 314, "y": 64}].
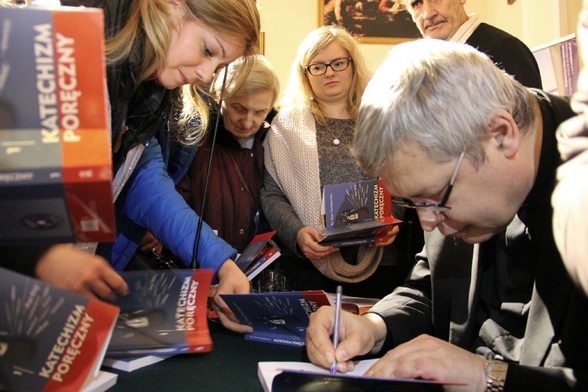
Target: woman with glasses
[{"x": 308, "y": 147}]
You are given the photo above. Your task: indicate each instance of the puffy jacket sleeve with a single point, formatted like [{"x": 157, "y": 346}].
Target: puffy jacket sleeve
[{"x": 152, "y": 201}]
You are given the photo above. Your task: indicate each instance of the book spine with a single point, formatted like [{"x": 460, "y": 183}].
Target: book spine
[{"x": 84, "y": 129}]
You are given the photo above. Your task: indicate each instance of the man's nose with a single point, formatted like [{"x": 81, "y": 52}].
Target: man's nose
[{"x": 428, "y": 10}]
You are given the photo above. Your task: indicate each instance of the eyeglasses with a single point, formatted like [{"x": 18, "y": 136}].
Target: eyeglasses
[
  {"x": 439, "y": 207},
  {"x": 337, "y": 65}
]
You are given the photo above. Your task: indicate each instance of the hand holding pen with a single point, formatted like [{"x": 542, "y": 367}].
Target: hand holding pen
[{"x": 336, "y": 328}]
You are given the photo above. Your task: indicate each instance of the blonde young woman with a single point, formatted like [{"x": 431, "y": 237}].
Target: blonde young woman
[
  {"x": 160, "y": 53},
  {"x": 308, "y": 147}
]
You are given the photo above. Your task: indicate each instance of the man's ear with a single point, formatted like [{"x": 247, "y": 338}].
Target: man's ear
[{"x": 505, "y": 133}]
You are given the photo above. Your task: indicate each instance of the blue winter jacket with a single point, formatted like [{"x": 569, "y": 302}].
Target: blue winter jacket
[{"x": 151, "y": 202}]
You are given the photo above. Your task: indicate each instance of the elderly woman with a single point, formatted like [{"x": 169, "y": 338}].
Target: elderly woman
[{"x": 236, "y": 175}]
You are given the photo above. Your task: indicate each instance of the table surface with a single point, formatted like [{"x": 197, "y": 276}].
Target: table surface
[{"x": 230, "y": 366}]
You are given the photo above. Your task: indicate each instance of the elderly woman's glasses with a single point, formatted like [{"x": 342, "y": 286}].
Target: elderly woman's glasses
[
  {"x": 337, "y": 65},
  {"x": 440, "y": 207}
]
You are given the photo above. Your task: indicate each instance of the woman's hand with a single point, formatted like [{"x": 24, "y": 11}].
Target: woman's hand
[
  {"x": 72, "y": 269},
  {"x": 392, "y": 233},
  {"x": 231, "y": 280},
  {"x": 308, "y": 241},
  {"x": 151, "y": 243}
]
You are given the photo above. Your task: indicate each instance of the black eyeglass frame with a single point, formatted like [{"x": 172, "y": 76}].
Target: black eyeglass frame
[
  {"x": 348, "y": 59},
  {"x": 439, "y": 207}
]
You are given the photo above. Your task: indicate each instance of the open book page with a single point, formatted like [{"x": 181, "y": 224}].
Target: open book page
[{"x": 266, "y": 371}]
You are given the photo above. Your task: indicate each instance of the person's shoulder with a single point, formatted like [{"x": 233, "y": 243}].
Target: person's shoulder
[{"x": 485, "y": 29}]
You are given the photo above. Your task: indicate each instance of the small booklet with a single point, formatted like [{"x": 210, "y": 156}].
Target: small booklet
[
  {"x": 51, "y": 339},
  {"x": 258, "y": 255},
  {"x": 357, "y": 213},
  {"x": 165, "y": 313},
  {"x": 280, "y": 318},
  {"x": 304, "y": 376}
]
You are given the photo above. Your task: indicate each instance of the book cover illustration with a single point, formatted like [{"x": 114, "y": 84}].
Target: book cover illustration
[
  {"x": 50, "y": 339},
  {"x": 165, "y": 313},
  {"x": 357, "y": 213},
  {"x": 56, "y": 167},
  {"x": 280, "y": 318},
  {"x": 259, "y": 254}
]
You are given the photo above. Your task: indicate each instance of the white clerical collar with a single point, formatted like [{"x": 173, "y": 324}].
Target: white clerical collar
[{"x": 466, "y": 30}]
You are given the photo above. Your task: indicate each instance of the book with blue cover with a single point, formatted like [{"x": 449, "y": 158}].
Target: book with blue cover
[
  {"x": 56, "y": 166},
  {"x": 357, "y": 213},
  {"x": 279, "y": 318},
  {"x": 51, "y": 339},
  {"x": 165, "y": 313}
]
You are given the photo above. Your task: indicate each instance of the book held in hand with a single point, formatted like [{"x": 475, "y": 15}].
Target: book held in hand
[
  {"x": 51, "y": 339},
  {"x": 357, "y": 213},
  {"x": 55, "y": 143},
  {"x": 165, "y": 313},
  {"x": 280, "y": 318},
  {"x": 258, "y": 255}
]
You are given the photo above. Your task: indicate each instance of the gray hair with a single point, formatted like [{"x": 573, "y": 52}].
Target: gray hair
[
  {"x": 261, "y": 77},
  {"x": 440, "y": 95}
]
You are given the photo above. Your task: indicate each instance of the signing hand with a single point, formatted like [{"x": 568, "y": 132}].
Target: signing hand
[
  {"x": 72, "y": 269},
  {"x": 430, "y": 358},
  {"x": 231, "y": 281},
  {"x": 357, "y": 336},
  {"x": 308, "y": 239}
]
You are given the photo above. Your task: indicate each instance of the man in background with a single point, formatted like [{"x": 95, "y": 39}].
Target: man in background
[{"x": 447, "y": 20}]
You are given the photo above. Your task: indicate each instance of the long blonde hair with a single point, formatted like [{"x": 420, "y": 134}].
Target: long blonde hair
[
  {"x": 299, "y": 91},
  {"x": 147, "y": 31}
]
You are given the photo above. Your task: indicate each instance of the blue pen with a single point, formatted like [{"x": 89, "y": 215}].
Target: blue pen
[{"x": 337, "y": 321}]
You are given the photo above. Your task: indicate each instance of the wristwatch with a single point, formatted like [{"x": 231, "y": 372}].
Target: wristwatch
[{"x": 495, "y": 375}]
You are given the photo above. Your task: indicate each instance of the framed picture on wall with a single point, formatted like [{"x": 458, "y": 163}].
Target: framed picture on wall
[{"x": 371, "y": 21}]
